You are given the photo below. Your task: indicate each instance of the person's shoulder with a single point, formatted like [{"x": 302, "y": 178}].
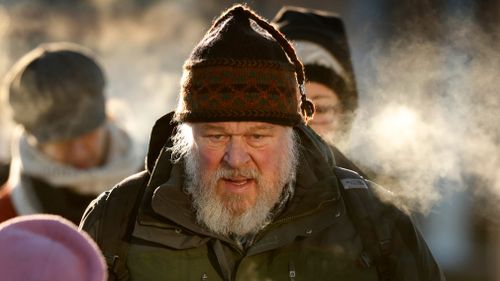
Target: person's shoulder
[
  {"x": 370, "y": 194},
  {"x": 120, "y": 197},
  {"x": 129, "y": 184}
]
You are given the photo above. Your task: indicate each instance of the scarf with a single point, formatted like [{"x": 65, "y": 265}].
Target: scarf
[{"x": 123, "y": 159}]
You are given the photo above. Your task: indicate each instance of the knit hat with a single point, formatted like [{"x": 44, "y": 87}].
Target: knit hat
[
  {"x": 56, "y": 92},
  {"x": 320, "y": 41},
  {"x": 243, "y": 70},
  {"x": 48, "y": 247}
]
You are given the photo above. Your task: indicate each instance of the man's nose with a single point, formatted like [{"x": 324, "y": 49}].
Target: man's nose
[{"x": 236, "y": 153}]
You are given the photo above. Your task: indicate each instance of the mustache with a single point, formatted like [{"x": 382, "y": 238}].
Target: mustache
[{"x": 226, "y": 172}]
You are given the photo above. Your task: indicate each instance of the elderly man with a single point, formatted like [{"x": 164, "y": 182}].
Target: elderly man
[{"x": 237, "y": 187}]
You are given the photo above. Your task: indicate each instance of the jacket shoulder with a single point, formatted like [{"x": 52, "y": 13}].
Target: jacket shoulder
[
  {"x": 389, "y": 236},
  {"x": 111, "y": 207}
]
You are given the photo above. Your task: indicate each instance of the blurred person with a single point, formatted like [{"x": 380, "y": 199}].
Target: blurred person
[
  {"x": 237, "y": 187},
  {"x": 48, "y": 247},
  {"x": 66, "y": 150},
  {"x": 320, "y": 40},
  {"x": 29, "y": 23}
]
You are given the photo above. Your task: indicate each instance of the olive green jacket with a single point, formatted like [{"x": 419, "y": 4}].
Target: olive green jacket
[{"x": 312, "y": 239}]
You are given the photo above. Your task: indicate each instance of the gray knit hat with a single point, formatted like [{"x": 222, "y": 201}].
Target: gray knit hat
[{"x": 56, "y": 92}]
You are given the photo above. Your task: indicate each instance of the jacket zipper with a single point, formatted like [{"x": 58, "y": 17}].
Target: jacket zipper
[
  {"x": 291, "y": 271},
  {"x": 291, "y": 218}
]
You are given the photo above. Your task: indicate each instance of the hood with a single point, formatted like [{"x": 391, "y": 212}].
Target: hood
[{"x": 160, "y": 138}]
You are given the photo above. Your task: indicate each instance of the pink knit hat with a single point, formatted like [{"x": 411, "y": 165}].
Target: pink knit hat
[{"x": 48, "y": 248}]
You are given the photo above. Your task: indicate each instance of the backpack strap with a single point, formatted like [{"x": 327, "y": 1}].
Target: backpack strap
[
  {"x": 366, "y": 214},
  {"x": 117, "y": 224}
]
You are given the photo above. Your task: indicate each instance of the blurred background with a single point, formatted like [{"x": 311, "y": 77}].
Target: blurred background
[{"x": 428, "y": 74}]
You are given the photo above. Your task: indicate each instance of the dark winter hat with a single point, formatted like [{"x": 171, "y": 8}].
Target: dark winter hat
[
  {"x": 56, "y": 92},
  {"x": 243, "y": 70},
  {"x": 48, "y": 247},
  {"x": 321, "y": 43}
]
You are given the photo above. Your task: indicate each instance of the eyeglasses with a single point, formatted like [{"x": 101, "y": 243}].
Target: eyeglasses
[{"x": 328, "y": 109}]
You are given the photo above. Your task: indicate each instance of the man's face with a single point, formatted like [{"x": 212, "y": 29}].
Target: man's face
[
  {"x": 82, "y": 152},
  {"x": 239, "y": 170},
  {"x": 328, "y": 111}
]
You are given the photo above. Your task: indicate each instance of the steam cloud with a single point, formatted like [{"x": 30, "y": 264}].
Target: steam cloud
[
  {"x": 428, "y": 126},
  {"x": 144, "y": 72}
]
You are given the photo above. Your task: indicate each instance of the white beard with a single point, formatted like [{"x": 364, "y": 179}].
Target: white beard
[{"x": 219, "y": 214}]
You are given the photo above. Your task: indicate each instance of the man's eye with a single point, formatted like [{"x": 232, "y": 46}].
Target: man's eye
[
  {"x": 217, "y": 138},
  {"x": 258, "y": 138}
]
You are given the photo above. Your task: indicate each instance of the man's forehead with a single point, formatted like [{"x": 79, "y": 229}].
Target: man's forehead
[{"x": 236, "y": 126}]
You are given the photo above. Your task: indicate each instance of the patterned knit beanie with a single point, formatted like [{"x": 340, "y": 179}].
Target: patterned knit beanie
[
  {"x": 48, "y": 247},
  {"x": 56, "y": 92},
  {"x": 243, "y": 70},
  {"x": 320, "y": 41}
]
